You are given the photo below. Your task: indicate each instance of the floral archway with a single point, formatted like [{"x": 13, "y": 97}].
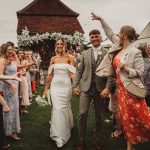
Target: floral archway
[{"x": 44, "y": 43}]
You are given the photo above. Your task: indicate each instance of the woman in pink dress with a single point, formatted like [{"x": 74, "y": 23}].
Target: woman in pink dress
[{"x": 125, "y": 61}]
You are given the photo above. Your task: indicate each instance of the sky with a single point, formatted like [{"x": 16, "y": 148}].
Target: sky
[{"x": 116, "y": 12}]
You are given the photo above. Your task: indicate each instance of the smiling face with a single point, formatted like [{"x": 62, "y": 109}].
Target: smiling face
[
  {"x": 9, "y": 51},
  {"x": 95, "y": 38},
  {"x": 59, "y": 46},
  {"x": 20, "y": 54}
]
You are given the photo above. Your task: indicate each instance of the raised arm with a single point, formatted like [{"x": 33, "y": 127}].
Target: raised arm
[{"x": 107, "y": 29}]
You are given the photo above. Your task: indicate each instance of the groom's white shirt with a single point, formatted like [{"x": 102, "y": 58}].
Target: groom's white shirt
[{"x": 96, "y": 51}]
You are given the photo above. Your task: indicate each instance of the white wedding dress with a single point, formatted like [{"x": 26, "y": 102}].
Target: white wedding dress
[{"x": 61, "y": 93}]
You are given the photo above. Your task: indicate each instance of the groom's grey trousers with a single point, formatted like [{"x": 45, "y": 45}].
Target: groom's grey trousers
[{"x": 85, "y": 101}]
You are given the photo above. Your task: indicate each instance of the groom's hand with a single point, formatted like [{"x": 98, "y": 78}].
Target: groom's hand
[{"x": 76, "y": 91}]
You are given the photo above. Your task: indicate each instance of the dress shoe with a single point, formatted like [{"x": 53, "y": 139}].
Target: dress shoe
[{"x": 81, "y": 146}]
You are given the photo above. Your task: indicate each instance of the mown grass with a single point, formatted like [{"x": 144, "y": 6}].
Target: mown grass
[{"x": 35, "y": 130}]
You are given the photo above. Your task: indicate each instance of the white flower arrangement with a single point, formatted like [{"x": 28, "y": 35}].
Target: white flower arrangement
[
  {"x": 25, "y": 39},
  {"x": 41, "y": 101}
]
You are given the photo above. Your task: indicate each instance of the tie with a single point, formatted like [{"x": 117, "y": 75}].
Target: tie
[
  {"x": 98, "y": 58},
  {"x": 96, "y": 54},
  {"x": 97, "y": 61}
]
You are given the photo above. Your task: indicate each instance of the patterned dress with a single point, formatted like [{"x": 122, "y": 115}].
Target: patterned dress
[
  {"x": 11, "y": 119},
  {"x": 134, "y": 113}
]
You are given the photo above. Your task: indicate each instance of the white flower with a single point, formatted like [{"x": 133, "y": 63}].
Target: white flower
[
  {"x": 25, "y": 39},
  {"x": 99, "y": 53},
  {"x": 107, "y": 121},
  {"x": 41, "y": 101}
]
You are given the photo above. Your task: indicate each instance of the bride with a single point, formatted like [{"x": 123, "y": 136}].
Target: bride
[{"x": 59, "y": 76}]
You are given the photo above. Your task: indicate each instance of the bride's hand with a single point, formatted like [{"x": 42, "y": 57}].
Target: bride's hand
[
  {"x": 95, "y": 17},
  {"x": 45, "y": 93},
  {"x": 76, "y": 91}
]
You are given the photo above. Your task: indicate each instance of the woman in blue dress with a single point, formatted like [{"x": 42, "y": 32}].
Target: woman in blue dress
[{"x": 10, "y": 91}]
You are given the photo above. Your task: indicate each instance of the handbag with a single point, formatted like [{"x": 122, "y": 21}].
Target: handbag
[{"x": 136, "y": 91}]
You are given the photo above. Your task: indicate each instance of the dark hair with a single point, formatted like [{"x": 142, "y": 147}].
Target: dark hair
[
  {"x": 11, "y": 43},
  {"x": 129, "y": 31},
  {"x": 143, "y": 48},
  {"x": 19, "y": 51},
  {"x": 93, "y": 32}
]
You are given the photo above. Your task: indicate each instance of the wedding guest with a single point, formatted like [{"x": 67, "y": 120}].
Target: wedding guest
[
  {"x": 146, "y": 75},
  {"x": 125, "y": 61},
  {"x": 59, "y": 73},
  {"x": 38, "y": 62},
  {"x": 4, "y": 108},
  {"x": 29, "y": 60},
  {"x": 32, "y": 71},
  {"x": 148, "y": 50},
  {"x": 23, "y": 88},
  {"x": 9, "y": 62},
  {"x": 91, "y": 86}
]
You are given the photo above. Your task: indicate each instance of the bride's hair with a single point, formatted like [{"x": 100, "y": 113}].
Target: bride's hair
[{"x": 64, "y": 48}]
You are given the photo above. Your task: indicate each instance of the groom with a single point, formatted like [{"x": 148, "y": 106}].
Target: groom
[{"x": 91, "y": 88}]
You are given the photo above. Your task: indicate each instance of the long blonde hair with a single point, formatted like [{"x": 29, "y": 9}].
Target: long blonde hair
[{"x": 64, "y": 48}]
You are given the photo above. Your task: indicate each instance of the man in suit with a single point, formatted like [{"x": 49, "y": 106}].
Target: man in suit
[{"x": 91, "y": 87}]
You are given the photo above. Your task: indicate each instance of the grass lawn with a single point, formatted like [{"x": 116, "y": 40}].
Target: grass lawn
[{"x": 35, "y": 131}]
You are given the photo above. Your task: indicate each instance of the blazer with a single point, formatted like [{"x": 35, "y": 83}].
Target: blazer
[
  {"x": 132, "y": 58},
  {"x": 83, "y": 75}
]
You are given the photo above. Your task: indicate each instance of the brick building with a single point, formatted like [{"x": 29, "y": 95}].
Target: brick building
[{"x": 42, "y": 16}]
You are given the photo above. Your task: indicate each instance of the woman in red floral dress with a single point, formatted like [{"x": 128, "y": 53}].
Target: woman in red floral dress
[{"x": 124, "y": 60}]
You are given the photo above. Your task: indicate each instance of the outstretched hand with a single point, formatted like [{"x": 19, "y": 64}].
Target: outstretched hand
[{"x": 95, "y": 17}]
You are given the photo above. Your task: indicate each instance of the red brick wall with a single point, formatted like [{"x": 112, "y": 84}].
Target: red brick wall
[{"x": 41, "y": 24}]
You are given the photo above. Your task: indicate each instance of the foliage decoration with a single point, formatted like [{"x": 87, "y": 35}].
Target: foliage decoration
[{"x": 26, "y": 39}]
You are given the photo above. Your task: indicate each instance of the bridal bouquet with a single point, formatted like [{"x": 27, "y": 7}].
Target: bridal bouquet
[{"x": 43, "y": 101}]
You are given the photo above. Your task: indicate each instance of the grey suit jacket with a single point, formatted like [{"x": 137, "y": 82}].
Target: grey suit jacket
[{"x": 84, "y": 73}]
